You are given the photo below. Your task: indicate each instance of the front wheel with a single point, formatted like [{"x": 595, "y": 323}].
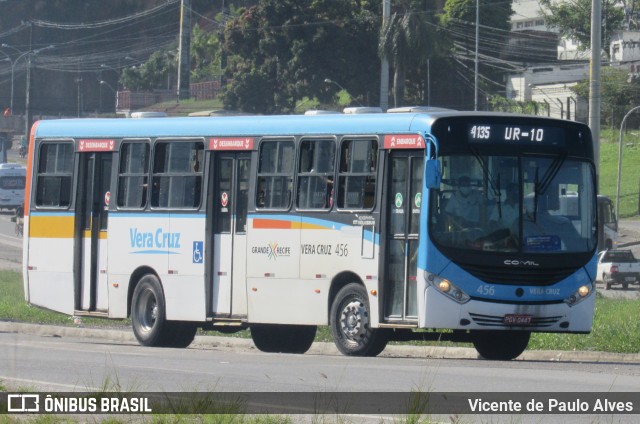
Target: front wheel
[
  {"x": 351, "y": 326},
  {"x": 501, "y": 345}
]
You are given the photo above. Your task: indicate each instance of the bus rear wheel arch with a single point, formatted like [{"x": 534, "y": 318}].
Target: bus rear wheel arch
[{"x": 351, "y": 326}]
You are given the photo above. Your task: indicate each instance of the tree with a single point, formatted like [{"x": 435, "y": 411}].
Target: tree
[
  {"x": 205, "y": 55},
  {"x": 573, "y": 19},
  {"x": 459, "y": 18},
  {"x": 281, "y": 51},
  {"x": 406, "y": 40},
  {"x": 619, "y": 91},
  {"x": 155, "y": 73}
]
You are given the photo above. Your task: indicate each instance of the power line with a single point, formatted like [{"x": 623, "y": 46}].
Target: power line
[{"x": 47, "y": 24}]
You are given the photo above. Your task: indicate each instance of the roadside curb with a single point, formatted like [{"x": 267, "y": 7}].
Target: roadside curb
[{"x": 318, "y": 348}]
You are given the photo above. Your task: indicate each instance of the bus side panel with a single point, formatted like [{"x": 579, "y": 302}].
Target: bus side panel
[
  {"x": 287, "y": 301},
  {"x": 319, "y": 251},
  {"x": 50, "y": 261},
  {"x": 184, "y": 287},
  {"x": 135, "y": 240},
  {"x": 328, "y": 248},
  {"x": 275, "y": 292}
]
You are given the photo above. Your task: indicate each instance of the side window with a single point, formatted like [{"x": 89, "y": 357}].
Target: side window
[
  {"x": 54, "y": 175},
  {"x": 133, "y": 176},
  {"x": 177, "y": 174},
  {"x": 357, "y": 174},
  {"x": 275, "y": 174},
  {"x": 315, "y": 174}
]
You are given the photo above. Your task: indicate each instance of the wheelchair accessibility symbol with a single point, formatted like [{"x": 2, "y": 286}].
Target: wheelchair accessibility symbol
[{"x": 198, "y": 252}]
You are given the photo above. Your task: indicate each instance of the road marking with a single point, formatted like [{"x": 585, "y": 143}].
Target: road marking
[
  {"x": 11, "y": 241},
  {"x": 40, "y": 383}
]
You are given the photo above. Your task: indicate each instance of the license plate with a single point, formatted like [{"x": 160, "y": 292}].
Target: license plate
[
  {"x": 629, "y": 278},
  {"x": 517, "y": 319}
]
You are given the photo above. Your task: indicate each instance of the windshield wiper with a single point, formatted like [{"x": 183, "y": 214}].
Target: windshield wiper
[
  {"x": 551, "y": 173},
  {"x": 542, "y": 186}
]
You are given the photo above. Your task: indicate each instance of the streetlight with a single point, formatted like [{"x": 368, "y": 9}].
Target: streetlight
[
  {"x": 22, "y": 54},
  {"x": 620, "y": 162},
  {"x": 103, "y": 82},
  {"x": 27, "y": 112},
  {"x": 13, "y": 66},
  {"x": 330, "y": 81}
]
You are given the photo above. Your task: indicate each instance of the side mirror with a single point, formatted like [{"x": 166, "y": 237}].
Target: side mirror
[{"x": 432, "y": 174}]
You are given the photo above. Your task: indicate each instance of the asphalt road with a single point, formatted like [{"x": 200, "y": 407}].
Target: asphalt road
[{"x": 80, "y": 363}]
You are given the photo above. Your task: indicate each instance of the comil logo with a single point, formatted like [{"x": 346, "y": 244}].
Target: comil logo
[{"x": 23, "y": 403}]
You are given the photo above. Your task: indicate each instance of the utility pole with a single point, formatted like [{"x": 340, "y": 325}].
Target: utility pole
[
  {"x": 594, "y": 82},
  {"x": 184, "y": 54},
  {"x": 384, "y": 69},
  {"x": 27, "y": 109},
  {"x": 475, "y": 95}
]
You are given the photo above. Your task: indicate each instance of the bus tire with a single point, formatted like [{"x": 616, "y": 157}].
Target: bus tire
[
  {"x": 501, "y": 345},
  {"x": 350, "y": 325},
  {"x": 283, "y": 338},
  {"x": 148, "y": 313},
  {"x": 182, "y": 334}
]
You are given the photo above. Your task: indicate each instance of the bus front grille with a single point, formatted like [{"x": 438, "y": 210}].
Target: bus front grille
[{"x": 514, "y": 276}]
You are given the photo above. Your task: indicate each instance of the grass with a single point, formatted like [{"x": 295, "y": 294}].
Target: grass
[
  {"x": 630, "y": 181},
  {"x": 613, "y": 331}
]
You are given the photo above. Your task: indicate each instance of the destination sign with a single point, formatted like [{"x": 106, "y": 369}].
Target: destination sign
[
  {"x": 231, "y": 143},
  {"x": 515, "y": 134},
  {"x": 403, "y": 141},
  {"x": 99, "y": 145}
]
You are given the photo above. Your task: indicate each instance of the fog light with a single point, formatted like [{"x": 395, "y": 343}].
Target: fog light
[
  {"x": 444, "y": 286},
  {"x": 583, "y": 291}
]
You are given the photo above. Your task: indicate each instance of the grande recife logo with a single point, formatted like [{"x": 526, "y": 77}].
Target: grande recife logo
[{"x": 272, "y": 250}]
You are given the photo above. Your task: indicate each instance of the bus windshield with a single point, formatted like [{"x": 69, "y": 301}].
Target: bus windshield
[{"x": 522, "y": 203}]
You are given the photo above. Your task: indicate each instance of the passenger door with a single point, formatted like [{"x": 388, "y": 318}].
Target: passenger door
[
  {"x": 229, "y": 239},
  {"x": 90, "y": 247},
  {"x": 402, "y": 208}
]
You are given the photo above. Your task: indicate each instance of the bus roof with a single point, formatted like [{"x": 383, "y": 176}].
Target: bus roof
[
  {"x": 233, "y": 125},
  {"x": 253, "y": 125}
]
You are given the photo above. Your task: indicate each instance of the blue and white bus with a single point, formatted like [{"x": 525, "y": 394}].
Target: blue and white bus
[{"x": 380, "y": 226}]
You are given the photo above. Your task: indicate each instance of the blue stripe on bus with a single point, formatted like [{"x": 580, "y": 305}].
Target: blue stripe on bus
[
  {"x": 168, "y": 214},
  {"x": 51, "y": 213}
]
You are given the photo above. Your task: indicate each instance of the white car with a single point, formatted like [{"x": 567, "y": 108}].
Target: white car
[{"x": 618, "y": 267}]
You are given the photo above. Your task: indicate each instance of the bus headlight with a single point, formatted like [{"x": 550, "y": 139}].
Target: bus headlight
[
  {"x": 579, "y": 295},
  {"x": 447, "y": 288}
]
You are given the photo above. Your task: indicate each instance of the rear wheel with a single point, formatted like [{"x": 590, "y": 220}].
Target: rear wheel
[
  {"x": 283, "y": 338},
  {"x": 148, "y": 313},
  {"x": 501, "y": 345},
  {"x": 350, "y": 323}
]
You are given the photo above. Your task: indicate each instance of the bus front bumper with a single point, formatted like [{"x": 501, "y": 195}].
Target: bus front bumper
[{"x": 440, "y": 312}]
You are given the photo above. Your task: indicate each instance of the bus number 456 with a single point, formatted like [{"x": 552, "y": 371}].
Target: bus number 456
[{"x": 486, "y": 290}]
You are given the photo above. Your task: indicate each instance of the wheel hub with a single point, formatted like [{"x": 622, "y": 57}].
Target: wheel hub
[{"x": 354, "y": 320}]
